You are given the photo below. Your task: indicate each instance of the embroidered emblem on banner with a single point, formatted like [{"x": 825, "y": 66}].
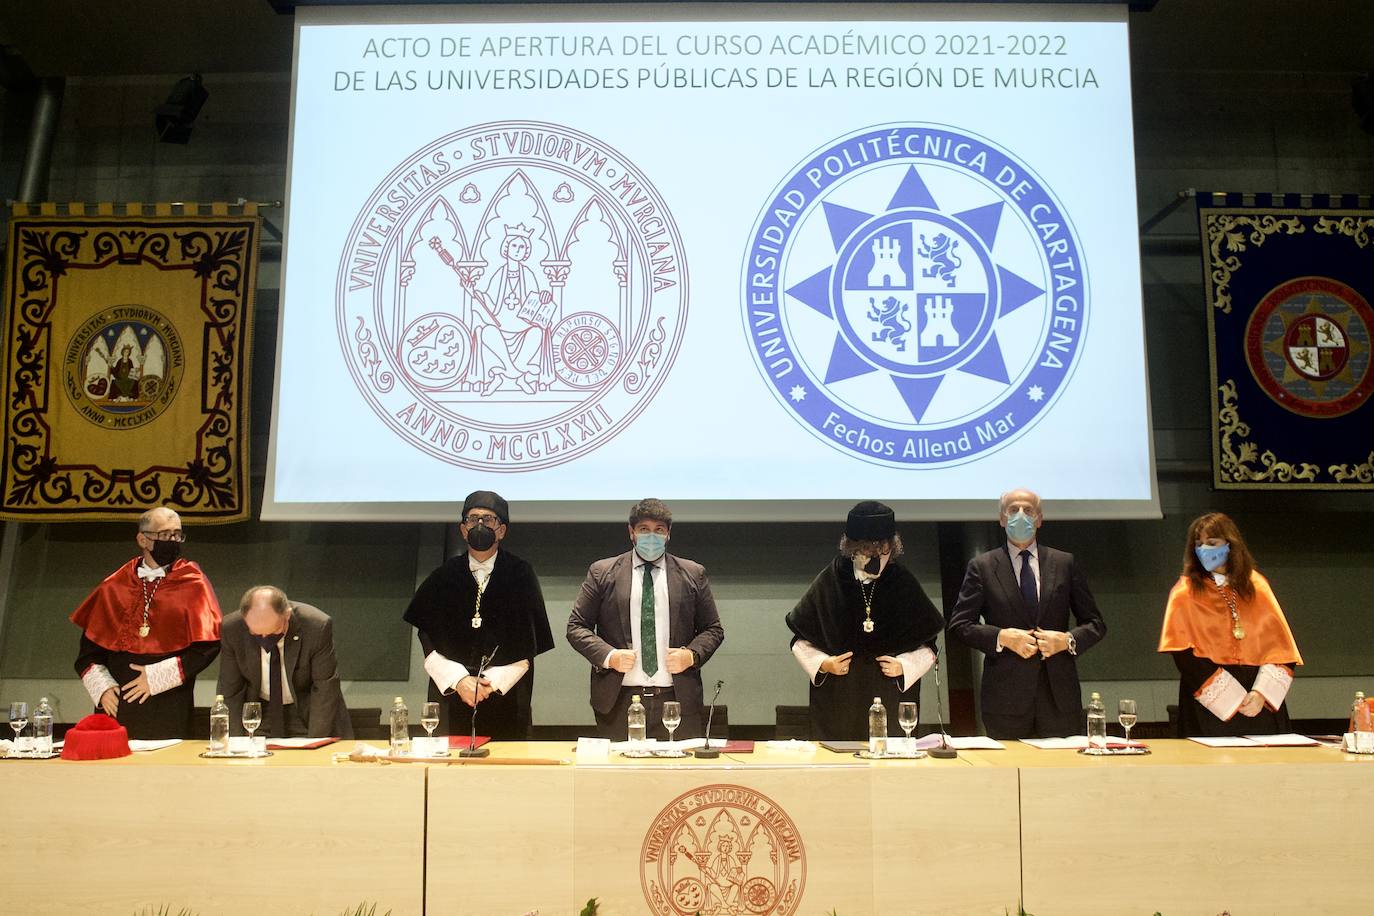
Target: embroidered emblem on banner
[
  {"x": 512, "y": 296},
  {"x": 124, "y": 366},
  {"x": 915, "y": 295},
  {"x": 723, "y": 849},
  {"x": 1308, "y": 347}
]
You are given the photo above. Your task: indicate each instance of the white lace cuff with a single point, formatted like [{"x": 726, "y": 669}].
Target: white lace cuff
[
  {"x": 96, "y": 679},
  {"x": 915, "y": 664},
  {"x": 1272, "y": 683},
  {"x": 504, "y": 677},
  {"x": 164, "y": 675},
  {"x": 1221, "y": 694},
  {"x": 444, "y": 673},
  {"x": 811, "y": 659}
]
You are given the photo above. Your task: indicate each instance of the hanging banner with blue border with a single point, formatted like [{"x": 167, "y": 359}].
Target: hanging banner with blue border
[
  {"x": 126, "y": 375},
  {"x": 1289, "y": 281}
]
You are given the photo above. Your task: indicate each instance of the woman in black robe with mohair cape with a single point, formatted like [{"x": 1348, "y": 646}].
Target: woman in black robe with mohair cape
[{"x": 879, "y": 614}]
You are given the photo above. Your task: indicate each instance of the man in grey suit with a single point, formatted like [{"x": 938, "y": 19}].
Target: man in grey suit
[
  {"x": 282, "y": 654},
  {"x": 1024, "y": 594},
  {"x": 647, "y": 622}
]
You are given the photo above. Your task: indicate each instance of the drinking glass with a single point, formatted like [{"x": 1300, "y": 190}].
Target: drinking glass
[
  {"x": 906, "y": 718},
  {"x": 672, "y": 718},
  {"x": 1125, "y": 714},
  {"x": 252, "y": 718},
  {"x": 19, "y": 717},
  {"x": 429, "y": 718}
]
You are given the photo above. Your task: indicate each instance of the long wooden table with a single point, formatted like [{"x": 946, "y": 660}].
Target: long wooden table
[{"x": 1184, "y": 830}]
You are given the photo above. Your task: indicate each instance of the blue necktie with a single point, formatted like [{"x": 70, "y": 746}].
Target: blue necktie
[
  {"x": 1028, "y": 581},
  {"x": 648, "y": 638}
]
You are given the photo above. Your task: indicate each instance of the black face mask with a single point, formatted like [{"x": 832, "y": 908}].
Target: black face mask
[
  {"x": 480, "y": 537},
  {"x": 874, "y": 564},
  {"x": 165, "y": 553},
  {"x": 269, "y": 642}
]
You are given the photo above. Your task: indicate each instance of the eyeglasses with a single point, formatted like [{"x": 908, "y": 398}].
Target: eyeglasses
[
  {"x": 171, "y": 534},
  {"x": 485, "y": 521}
]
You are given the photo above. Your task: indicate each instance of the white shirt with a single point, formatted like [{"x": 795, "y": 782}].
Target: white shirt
[
  {"x": 636, "y": 677},
  {"x": 265, "y": 689}
]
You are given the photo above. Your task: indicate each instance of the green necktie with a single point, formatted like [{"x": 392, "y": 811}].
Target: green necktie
[{"x": 648, "y": 639}]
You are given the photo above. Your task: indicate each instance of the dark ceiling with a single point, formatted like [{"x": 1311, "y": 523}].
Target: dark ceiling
[{"x": 86, "y": 38}]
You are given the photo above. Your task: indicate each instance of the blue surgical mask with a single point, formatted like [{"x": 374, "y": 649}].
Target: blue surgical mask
[
  {"x": 650, "y": 546},
  {"x": 1212, "y": 558},
  {"x": 1021, "y": 528}
]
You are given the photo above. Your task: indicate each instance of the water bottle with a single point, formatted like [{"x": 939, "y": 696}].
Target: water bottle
[
  {"x": 400, "y": 728},
  {"x": 219, "y": 726},
  {"x": 42, "y": 729},
  {"x": 877, "y": 728},
  {"x": 1097, "y": 725},
  {"x": 638, "y": 732},
  {"x": 1361, "y": 725}
]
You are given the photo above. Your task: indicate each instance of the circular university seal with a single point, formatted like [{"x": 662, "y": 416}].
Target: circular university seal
[
  {"x": 123, "y": 366},
  {"x": 1307, "y": 344},
  {"x": 723, "y": 849},
  {"x": 915, "y": 295},
  {"x": 511, "y": 296}
]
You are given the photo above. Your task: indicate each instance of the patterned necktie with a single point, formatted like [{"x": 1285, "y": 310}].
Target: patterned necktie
[
  {"x": 1028, "y": 590},
  {"x": 648, "y": 638}
]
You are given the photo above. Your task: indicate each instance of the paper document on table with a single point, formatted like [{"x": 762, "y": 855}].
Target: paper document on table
[
  {"x": 976, "y": 743},
  {"x": 1057, "y": 744},
  {"x": 1235, "y": 741},
  {"x": 1287, "y": 740},
  {"x": 137, "y": 744}
]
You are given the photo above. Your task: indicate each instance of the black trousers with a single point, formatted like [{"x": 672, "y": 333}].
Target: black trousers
[
  {"x": 1043, "y": 720},
  {"x": 615, "y": 724}
]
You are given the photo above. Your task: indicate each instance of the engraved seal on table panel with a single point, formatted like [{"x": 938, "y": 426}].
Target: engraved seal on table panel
[
  {"x": 511, "y": 296},
  {"x": 123, "y": 366},
  {"x": 914, "y": 295},
  {"x": 1307, "y": 344},
  {"x": 726, "y": 850}
]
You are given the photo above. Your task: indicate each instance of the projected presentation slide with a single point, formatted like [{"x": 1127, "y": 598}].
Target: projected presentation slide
[{"x": 760, "y": 268}]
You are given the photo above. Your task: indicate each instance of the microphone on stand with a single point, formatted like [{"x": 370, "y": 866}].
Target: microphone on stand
[
  {"x": 944, "y": 751},
  {"x": 472, "y": 750},
  {"x": 707, "y": 752}
]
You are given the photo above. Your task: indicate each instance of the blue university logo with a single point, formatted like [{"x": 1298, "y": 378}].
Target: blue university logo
[{"x": 915, "y": 295}]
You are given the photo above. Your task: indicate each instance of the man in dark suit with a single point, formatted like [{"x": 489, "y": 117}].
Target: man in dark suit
[
  {"x": 1024, "y": 594},
  {"x": 282, "y": 654},
  {"x": 647, "y": 622}
]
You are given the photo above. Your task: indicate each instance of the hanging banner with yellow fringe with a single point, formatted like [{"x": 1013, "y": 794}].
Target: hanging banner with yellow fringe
[
  {"x": 1289, "y": 282},
  {"x": 127, "y": 346}
]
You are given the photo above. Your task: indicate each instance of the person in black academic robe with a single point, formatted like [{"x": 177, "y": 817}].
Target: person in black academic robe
[
  {"x": 480, "y": 653},
  {"x": 864, "y": 629}
]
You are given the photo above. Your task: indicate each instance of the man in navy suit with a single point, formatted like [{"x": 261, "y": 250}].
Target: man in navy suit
[{"x": 1015, "y": 607}]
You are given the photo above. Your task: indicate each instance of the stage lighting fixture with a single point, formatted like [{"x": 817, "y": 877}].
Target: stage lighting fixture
[{"x": 175, "y": 117}]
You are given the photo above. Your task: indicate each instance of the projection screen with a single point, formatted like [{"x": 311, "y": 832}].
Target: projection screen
[{"x": 758, "y": 261}]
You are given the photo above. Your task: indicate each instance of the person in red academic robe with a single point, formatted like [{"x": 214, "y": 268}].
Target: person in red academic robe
[
  {"x": 1228, "y": 637},
  {"x": 147, "y": 631}
]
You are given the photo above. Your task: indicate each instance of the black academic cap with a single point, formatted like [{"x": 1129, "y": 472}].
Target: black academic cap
[
  {"x": 870, "y": 521},
  {"x": 486, "y": 499}
]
